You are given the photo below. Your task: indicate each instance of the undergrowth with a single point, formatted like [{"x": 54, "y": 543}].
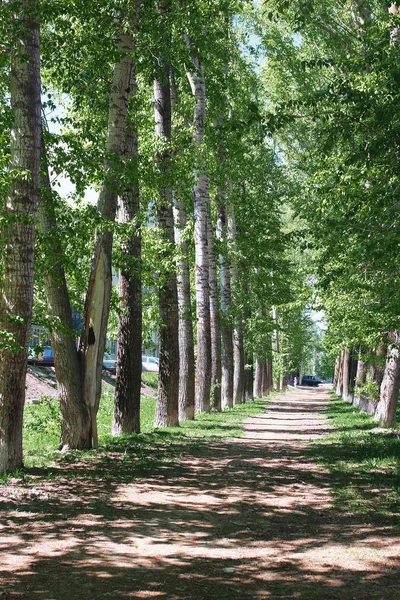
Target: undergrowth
[{"x": 363, "y": 460}]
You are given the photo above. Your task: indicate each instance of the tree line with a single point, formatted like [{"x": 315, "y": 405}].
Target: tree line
[
  {"x": 332, "y": 78},
  {"x": 163, "y": 114}
]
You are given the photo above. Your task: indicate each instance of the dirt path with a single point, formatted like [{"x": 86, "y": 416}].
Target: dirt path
[{"x": 252, "y": 518}]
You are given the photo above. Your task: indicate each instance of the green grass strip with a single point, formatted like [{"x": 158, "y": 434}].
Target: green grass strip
[{"x": 363, "y": 462}]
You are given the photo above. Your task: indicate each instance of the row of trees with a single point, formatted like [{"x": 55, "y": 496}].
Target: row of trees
[
  {"x": 332, "y": 76},
  {"x": 162, "y": 114}
]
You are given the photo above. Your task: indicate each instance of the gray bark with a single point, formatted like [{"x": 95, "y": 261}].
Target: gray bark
[
  {"x": 167, "y": 411},
  {"x": 361, "y": 376},
  {"x": 19, "y": 233},
  {"x": 238, "y": 345},
  {"x": 129, "y": 364},
  {"x": 186, "y": 334},
  {"x": 385, "y": 413},
  {"x": 226, "y": 300},
  {"x": 201, "y": 202},
  {"x": 97, "y": 305},
  {"x": 258, "y": 376},
  {"x": 75, "y": 423},
  {"x": 339, "y": 384},
  {"x": 346, "y": 375},
  {"x": 186, "y": 339},
  {"x": 215, "y": 321}
]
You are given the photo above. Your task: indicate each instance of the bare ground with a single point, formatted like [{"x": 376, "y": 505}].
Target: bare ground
[{"x": 252, "y": 518}]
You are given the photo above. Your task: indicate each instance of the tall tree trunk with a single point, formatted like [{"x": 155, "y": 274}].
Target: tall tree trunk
[
  {"x": 201, "y": 202},
  {"x": 339, "y": 385},
  {"x": 353, "y": 364},
  {"x": 215, "y": 321},
  {"x": 167, "y": 411},
  {"x": 385, "y": 412},
  {"x": 186, "y": 339},
  {"x": 129, "y": 363},
  {"x": 346, "y": 374},
  {"x": 226, "y": 300},
  {"x": 360, "y": 380},
  {"x": 376, "y": 369},
  {"x": 248, "y": 377},
  {"x": 19, "y": 235},
  {"x": 258, "y": 378},
  {"x": 75, "y": 423},
  {"x": 97, "y": 305},
  {"x": 276, "y": 347},
  {"x": 270, "y": 374},
  {"x": 336, "y": 375},
  {"x": 186, "y": 335},
  {"x": 238, "y": 341}
]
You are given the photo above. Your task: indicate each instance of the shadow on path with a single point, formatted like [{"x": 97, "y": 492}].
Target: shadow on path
[{"x": 250, "y": 518}]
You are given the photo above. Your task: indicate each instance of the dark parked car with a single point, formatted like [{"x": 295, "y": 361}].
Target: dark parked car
[{"x": 310, "y": 380}]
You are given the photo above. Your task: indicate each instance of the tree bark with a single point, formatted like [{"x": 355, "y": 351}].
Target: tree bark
[
  {"x": 339, "y": 385},
  {"x": 186, "y": 335},
  {"x": 238, "y": 341},
  {"x": 167, "y": 411},
  {"x": 258, "y": 378},
  {"x": 336, "y": 375},
  {"x": 215, "y": 321},
  {"x": 129, "y": 363},
  {"x": 346, "y": 375},
  {"x": 75, "y": 423},
  {"x": 360, "y": 380},
  {"x": 248, "y": 378},
  {"x": 19, "y": 234},
  {"x": 385, "y": 412},
  {"x": 97, "y": 305},
  {"x": 186, "y": 339},
  {"x": 226, "y": 300},
  {"x": 201, "y": 203}
]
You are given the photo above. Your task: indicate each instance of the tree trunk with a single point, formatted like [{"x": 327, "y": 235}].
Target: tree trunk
[
  {"x": 167, "y": 411},
  {"x": 129, "y": 363},
  {"x": 225, "y": 284},
  {"x": 201, "y": 202},
  {"x": 353, "y": 364},
  {"x": 19, "y": 234},
  {"x": 339, "y": 385},
  {"x": 186, "y": 339},
  {"x": 270, "y": 375},
  {"x": 186, "y": 336},
  {"x": 215, "y": 321},
  {"x": 346, "y": 375},
  {"x": 248, "y": 378},
  {"x": 258, "y": 378},
  {"x": 276, "y": 348},
  {"x": 75, "y": 423},
  {"x": 360, "y": 380},
  {"x": 97, "y": 305},
  {"x": 336, "y": 375},
  {"x": 238, "y": 347},
  {"x": 385, "y": 412}
]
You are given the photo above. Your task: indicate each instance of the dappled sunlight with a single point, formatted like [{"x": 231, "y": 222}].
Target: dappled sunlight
[{"x": 247, "y": 518}]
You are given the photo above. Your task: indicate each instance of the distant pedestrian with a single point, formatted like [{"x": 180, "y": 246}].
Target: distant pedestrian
[{"x": 295, "y": 382}]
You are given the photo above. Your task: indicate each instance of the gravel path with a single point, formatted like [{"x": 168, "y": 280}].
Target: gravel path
[{"x": 252, "y": 518}]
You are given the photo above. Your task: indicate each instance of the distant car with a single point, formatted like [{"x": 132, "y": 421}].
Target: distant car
[
  {"x": 310, "y": 380},
  {"x": 42, "y": 359},
  {"x": 150, "y": 363},
  {"x": 109, "y": 363}
]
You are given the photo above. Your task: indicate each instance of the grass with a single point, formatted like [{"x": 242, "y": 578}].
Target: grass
[
  {"x": 364, "y": 462},
  {"x": 152, "y": 446}
]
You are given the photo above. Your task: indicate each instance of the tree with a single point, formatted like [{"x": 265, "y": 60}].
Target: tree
[
  {"x": 167, "y": 412},
  {"x": 18, "y": 230}
]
